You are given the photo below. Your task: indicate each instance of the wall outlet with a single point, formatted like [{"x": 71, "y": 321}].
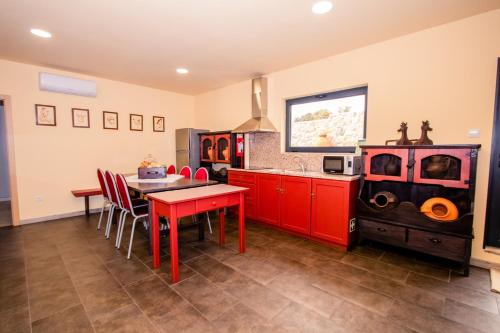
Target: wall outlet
[
  {"x": 473, "y": 133},
  {"x": 39, "y": 199},
  {"x": 352, "y": 224}
]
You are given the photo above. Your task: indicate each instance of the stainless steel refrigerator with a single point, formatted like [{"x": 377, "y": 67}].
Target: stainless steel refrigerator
[{"x": 187, "y": 147}]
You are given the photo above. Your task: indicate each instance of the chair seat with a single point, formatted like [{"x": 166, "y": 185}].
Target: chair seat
[
  {"x": 139, "y": 202},
  {"x": 141, "y": 210}
]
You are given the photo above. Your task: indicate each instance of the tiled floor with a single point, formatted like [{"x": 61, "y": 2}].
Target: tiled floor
[
  {"x": 5, "y": 215},
  {"x": 63, "y": 276}
]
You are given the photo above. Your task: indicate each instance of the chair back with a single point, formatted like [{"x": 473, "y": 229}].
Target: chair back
[
  {"x": 102, "y": 183},
  {"x": 186, "y": 172},
  {"x": 121, "y": 183},
  {"x": 201, "y": 174},
  {"x": 112, "y": 190},
  {"x": 171, "y": 170}
]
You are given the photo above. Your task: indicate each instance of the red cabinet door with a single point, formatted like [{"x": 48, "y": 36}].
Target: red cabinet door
[
  {"x": 222, "y": 153},
  {"x": 330, "y": 210},
  {"x": 207, "y": 148},
  {"x": 268, "y": 198},
  {"x": 295, "y": 204},
  {"x": 460, "y": 167},
  {"x": 386, "y": 164}
]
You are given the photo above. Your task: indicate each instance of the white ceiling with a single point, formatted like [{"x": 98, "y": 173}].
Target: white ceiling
[{"x": 220, "y": 41}]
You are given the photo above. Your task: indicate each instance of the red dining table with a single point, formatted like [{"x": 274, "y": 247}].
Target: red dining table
[{"x": 180, "y": 203}]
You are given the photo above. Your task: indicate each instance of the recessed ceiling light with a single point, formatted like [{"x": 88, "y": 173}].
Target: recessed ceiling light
[
  {"x": 322, "y": 7},
  {"x": 41, "y": 33},
  {"x": 182, "y": 70}
]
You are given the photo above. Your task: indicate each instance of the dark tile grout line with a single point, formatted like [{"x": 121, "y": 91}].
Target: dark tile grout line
[
  {"x": 76, "y": 290},
  {"x": 215, "y": 285},
  {"x": 159, "y": 330},
  {"x": 316, "y": 253},
  {"x": 162, "y": 280},
  {"x": 27, "y": 286}
]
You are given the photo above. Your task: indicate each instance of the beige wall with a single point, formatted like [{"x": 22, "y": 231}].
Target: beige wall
[
  {"x": 51, "y": 161},
  {"x": 445, "y": 74}
]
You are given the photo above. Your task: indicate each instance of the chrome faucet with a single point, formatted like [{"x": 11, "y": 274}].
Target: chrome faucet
[{"x": 301, "y": 162}]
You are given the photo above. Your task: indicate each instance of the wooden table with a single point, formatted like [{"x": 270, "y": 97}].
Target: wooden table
[{"x": 176, "y": 204}]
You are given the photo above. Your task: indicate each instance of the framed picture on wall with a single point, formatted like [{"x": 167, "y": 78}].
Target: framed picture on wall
[
  {"x": 81, "y": 118},
  {"x": 158, "y": 124},
  {"x": 45, "y": 115},
  {"x": 136, "y": 122},
  {"x": 110, "y": 120}
]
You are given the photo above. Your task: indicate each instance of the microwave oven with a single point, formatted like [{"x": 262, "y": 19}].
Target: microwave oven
[{"x": 342, "y": 164}]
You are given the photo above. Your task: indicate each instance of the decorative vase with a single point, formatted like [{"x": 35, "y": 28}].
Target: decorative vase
[
  {"x": 210, "y": 153},
  {"x": 438, "y": 166},
  {"x": 391, "y": 167},
  {"x": 225, "y": 153},
  {"x": 440, "y": 209},
  {"x": 384, "y": 199},
  {"x": 322, "y": 141}
]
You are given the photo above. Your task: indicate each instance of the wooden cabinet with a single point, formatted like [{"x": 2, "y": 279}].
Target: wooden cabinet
[
  {"x": 315, "y": 208},
  {"x": 295, "y": 204},
  {"x": 268, "y": 198},
  {"x": 412, "y": 175},
  {"x": 330, "y": 210},
  {"x": 215, "y": 148}
]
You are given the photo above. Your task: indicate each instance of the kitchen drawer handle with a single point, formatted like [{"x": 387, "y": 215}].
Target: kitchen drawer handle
[
  {"x": 435, "y": 240},
  {"x": 381, "y": 229}
]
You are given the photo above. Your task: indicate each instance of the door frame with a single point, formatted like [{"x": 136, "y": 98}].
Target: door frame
[
  {"x": 9, "y": 129},
  {"x": 493, "y": 160}
]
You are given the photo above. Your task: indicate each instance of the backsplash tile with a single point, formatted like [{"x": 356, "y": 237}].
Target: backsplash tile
[{"x": 265, "y": 151}]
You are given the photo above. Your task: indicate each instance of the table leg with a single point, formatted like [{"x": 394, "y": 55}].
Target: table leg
[
  {"x": 241, "y": 222},
  {"x": 174, "y": 247},
  {"x": 87, "y": 209},
  {"x": 222, "y": 222},
  {"x": 201, "y": 231},
  {"x": 155, "y": 235}
]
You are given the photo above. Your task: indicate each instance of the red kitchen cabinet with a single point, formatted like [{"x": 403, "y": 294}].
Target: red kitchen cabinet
[
  {"x": 268, "y": 198},
  {"x": 295, "y": 204},
  {"x": 248, "y": 180},
  {"x": 331, "y": 210},
  {"x": 316, "y": 208}
]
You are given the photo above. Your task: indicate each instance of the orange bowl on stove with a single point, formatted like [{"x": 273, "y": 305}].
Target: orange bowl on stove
[{"x": 440, "y": 209}]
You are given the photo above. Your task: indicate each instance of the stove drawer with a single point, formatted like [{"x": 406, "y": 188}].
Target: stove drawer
[
  {"x": 440, "y": 245},
  {"x": 381, "y": 231},
  {"x": 241, "y": 176}
]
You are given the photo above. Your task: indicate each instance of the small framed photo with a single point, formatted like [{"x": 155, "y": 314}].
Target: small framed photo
[
  {"x": 158, "y": 124},
  {"x": 45, "y": 115},
  {"x": 81, "y": 118},
  {"x": 136, "y": 122},
  {"x": 110, "y": 120}
]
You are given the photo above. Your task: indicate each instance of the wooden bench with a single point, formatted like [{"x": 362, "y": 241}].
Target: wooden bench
[{"x": 86, "y": 194}]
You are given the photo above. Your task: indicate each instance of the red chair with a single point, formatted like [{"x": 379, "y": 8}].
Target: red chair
[
  {"x": 105, "y": 194},
  {"x": 138, "y": 212},
  {"x": 116, "y": 202},
  {"x": 171, "y": 170},
  {"x": 202, "y": 174},
  {"x": 186, "y": 172},
  {"x": 114, "y": 198}
]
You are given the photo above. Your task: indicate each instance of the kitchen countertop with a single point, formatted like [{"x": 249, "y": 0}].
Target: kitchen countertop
[{"x": 299, "y": 173}]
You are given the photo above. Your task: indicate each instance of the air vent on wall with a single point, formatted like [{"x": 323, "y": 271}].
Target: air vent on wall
[{"x": 67, "y": 85}]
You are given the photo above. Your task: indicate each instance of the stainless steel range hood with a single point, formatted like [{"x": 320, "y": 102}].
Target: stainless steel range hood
[{"x": 259, "y": 121}]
